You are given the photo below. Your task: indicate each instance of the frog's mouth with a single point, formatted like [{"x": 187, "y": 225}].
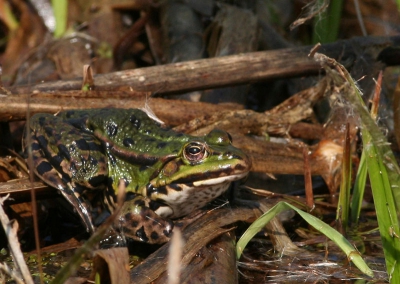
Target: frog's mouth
[{"x": 218, "y": 180}]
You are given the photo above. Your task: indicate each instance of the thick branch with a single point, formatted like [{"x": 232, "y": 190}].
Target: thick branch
[{"x": 229, "y": 70}]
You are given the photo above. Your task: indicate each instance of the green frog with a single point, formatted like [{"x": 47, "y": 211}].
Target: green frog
[{"x": 166, "y": 174}]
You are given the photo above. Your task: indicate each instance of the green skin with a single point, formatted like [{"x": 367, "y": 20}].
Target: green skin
[{"x": 167, "y": 174}]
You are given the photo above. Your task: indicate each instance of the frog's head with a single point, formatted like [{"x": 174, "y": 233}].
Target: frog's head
[{"x": 203, "y": 170}]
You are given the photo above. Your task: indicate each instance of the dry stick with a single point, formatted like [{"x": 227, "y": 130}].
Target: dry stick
[
  {"x": 377, "y": 96},
  {"x": 308, "y": 181},
  {"x": 175, "y": 257},
  {"x": 33, "y": 196},
  {"x": 172, "y": 111},
  {"x": 11, "y": 228},
  {"x": 227, "y": 70},
  {"x": 14, "y": 275}
]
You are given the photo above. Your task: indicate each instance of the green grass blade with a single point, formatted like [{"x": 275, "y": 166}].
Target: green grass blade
[
  {"x": 60, "y": 8},
  {"x": 335, "y": 236},
  {"x": 345, "y": 185},
  {"x": 358, "y": 191},
  {"x": 326, "y": 24},
  {"x": 384, "y": 206}
]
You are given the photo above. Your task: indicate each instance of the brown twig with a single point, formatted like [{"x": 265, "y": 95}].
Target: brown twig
[
  {"x": 228, "y": 70},
  {"x": 11, "y": 228}
]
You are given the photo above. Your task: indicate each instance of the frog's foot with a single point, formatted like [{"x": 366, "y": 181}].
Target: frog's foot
[
  {"x": 112, "y": 239},
  {"x": 137, "y": 221}
]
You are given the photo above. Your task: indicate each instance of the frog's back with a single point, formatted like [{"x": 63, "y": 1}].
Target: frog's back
[{"x": 128, "y": 131}]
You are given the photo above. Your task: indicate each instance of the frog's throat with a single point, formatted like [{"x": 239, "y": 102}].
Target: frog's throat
[
  {"x": 192, "y": 196},
  {"x": 218, "y": 180}
]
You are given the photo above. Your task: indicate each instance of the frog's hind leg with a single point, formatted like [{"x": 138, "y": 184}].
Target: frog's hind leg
[
  {"x": 49, "y": 175},
  {"x": 139, "y": 222},
  {"x": 46, "y": 172}
]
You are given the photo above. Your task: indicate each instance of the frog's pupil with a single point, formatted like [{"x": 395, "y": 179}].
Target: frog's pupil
[{"x": 194, "y": 150}]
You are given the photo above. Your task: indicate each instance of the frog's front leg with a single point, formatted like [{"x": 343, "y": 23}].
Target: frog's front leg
[{"x": 139, "y": 222}]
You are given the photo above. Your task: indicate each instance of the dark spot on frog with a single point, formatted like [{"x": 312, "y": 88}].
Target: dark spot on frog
[
  {"x": 135, "y": 121},
  {"x": 79, "y": 123},
  {"x": 97, "y": 180},
  {"x": 93, "y": 146},
  {"x": 160, "y": 190},
  {"x": 154, "y": 205},
  {"x": 128, "y": 142},
  {"x": 49, "y": 130},
  {"x": 147, "y": 131},
  {"x": 42, "y": 120},
  {"x": 112, "y": 129},
  {"x": 141, "y": 234},
  {"x": 161, "y": 145},
  {"x": 35, "y": 146},
  {"x": 42, "y": 141},
  {"x": 43, "y": 168},
  {"x": 63, "y": 151},
  {"x": 134, "y": 223},
  {"x": 82, "y": 144},
  {"x": 57, "y": 137},
  {"x": 154, "y": 235},
  {"x": 56, "y": 160},
  {"x": 175, "y": 187},
  {"x": 150, "y": 140},
  {"x": 179, "y": 134}
]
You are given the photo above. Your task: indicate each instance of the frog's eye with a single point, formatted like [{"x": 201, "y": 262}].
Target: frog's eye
[{"x": 195, "y": 152}]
